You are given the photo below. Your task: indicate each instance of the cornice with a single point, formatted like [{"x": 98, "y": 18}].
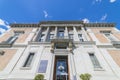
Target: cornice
[{"x": 63, "y": 23}]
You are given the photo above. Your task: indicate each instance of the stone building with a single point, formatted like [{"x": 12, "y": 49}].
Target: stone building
[{"x": 60, "y": 50}]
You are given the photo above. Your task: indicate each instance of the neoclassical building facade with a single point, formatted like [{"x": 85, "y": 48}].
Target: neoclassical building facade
[{"x": 60, "y": 50}]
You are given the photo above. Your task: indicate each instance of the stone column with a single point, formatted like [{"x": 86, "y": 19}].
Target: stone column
[
  {"x": 75, "y": 34},
  {"x": 56, "y": 29},
  {"x": 66, "y": 32},
  {"x": 38, "y": 34},
  {"x": 85, "y": 36},
  {"x": 47, "y": 33}
]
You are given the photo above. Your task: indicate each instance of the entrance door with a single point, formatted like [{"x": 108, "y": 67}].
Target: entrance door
[{"x": 61, "y": 68}]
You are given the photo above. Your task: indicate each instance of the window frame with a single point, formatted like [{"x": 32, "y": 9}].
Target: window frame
[
  {"x": 96, "y": 64},
  {"x": 80, "y": 36},
  {"x": 28, "y": 67}
]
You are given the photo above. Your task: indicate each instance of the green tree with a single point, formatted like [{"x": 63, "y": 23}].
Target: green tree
[
  {"x": 39, "y": 77},
  {"x": 85, "y": 76}
]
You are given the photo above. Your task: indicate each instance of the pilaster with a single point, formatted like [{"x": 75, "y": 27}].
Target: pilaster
[
  {"x": 66, "y": 31},
  {"x": 47, "y": 33},
  {"x": 75, "y": 34}
]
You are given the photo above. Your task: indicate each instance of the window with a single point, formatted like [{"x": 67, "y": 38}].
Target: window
[
  {"x": 94, "y": 60},
  {"x": 29, "y": 60},
  {"x": 13, "y": 38},
  {"x": 42, "y": 37},
  {"x": 50, "y": 36},
  {"x": 43, "y": 66},
  {"x": 70, "y": 36},
  {"x": 61, "y": 34},
  {"x": 108, "y": 35},
  {"x": 80, "y": 37}
]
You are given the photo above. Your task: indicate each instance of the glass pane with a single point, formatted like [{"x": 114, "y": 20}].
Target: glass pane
[
  {"x": 29, "y": 60},
  {"x": 71, "y": 36},
  {"x": 12, "y": 39},
  {"x": 61, "y": 34},
  {"x": 41, "y": 37},
  {"x": 109, "y": 37},
  {"x": 61, "y": 69},
  {"x": 94, "y": 61}
]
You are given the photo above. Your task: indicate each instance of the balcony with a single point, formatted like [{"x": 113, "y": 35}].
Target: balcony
[
  {"x": 61, "y": 39},
  {"x": 116, "y": 44}
]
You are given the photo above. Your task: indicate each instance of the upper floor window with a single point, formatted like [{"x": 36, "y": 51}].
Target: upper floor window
[
  {"x": 51, "y": 36},
  {"x": 71, "y": 36},
  {"x": 61, "y": 34},
  {"x": 80, "y": 37},
  {"x": 44, "y": 29},
  {"x": 108, "y": 35},
  {"x": 13, "y": 38},
  {"x": 41, "y": 39}
]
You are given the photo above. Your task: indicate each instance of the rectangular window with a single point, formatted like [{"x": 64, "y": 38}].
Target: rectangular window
[
  {"x": 80, "y": 37},
  {"x": 70, "y": 36},
  {"x": 43, "y": 66},
  {"x": 108, "y": 35},
  {"x": 42, "y": 37},
  {"x": 94, "y": 60},
  {"x": 13, "y": 38},
  {"x": 51, "y": 36},
  {"x": 29, "y": 60},
  {"x": 61, "y": 34}
]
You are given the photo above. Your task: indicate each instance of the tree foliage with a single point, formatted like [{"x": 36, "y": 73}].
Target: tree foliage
[
  {"x": 85, "y": 76},
  {"x": 39, "y": 77}
]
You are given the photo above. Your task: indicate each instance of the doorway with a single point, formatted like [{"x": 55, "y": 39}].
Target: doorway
[{"x": 61, "y": 71}]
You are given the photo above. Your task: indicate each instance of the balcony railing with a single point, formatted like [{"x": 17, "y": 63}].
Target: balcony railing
[{"x": 61, "y": 39}]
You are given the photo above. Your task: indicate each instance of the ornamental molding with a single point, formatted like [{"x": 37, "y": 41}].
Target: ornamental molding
[{"x": 62, "y": 25}]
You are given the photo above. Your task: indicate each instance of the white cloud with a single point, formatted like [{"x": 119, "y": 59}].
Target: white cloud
[
  {"x": 85, "y": 20},
  {"x": 2, "y": 22},
  {"x": 45, "y": 14},
  {"x": 2, "y": 30},
  {"x": 8, "y": 26},
  {"x": 103, "y": 17},
  {"x": 112, "y": 1},
  {"x": 5, "y": 24},
  {"x": 96, "y": 1}
]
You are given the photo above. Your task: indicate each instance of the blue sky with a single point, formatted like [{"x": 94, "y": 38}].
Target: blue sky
[{"x": 34, "y": 11}]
